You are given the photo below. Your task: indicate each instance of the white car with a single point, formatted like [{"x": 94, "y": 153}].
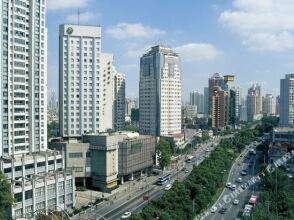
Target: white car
[
  {"x": 229, "y": 184},
  {"x": 168, "y": 187},
  {"x": 239, "y": 180},
  {"x": 233, "y": 187},
  {"x": 236, "y": 202},
  {"x": 213, "y": 209},
  {"x": 126, "y": 215}
]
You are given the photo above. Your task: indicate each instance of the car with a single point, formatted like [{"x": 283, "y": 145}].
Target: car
[
  {"x": 243, "y": 186},
  {"x": 186, "y": 171},
  {"x": 244, "y": 172},
  {"x": 213, "y": 209},
  {"x": 168, "y": 187},
  {"x": 223, "y": 210},
  {"x": 126, "y": 215},
  {"x": 236, "y": 202},
  {"x": 290, "y": 176},
  {"x": 233, "y": 187},
  {"x": 239, "y": 180},
  {"x": 229, "y": 184},
  {"x": 184, "y": 168}
]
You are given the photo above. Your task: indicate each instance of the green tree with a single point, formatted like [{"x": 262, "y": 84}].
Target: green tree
[
  {"x": 6, "y": 198},
  {"x": 164, "y": 152},
  {"x": 52, "y": 129}
]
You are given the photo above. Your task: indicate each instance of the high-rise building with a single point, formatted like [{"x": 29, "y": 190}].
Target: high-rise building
[
  {"x": 254, "y": 103},
  {"x": 278, "y": 105},
  {"x": 23, "y": 78},
  {"x": 160, "y": 92},
  {"x": 287, "y": 101},
  {"x": 86, "y": 82},
  {"x": 130, "y": 104},
  {"x": 217, "y": 80},
  {"x": 235, "y": 99},
  {"x": 197, "y": 98},
  {"x": 220, "y": 108},
  {"x": 35, "y": 173},
  {"x": 206, "y": 100},
  {"x": 229, "y": 82},
  {"x": 119, "y": 101},
  {"x": 268, "y": 105}
]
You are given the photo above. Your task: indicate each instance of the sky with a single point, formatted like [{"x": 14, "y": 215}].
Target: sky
[{"x": 253, "y": 40}]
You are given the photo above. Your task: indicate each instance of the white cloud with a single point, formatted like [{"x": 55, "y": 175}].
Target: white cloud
[
  {"x": 66, "y": 4},
  {"x": 83, "y": 17},
  {"x": 135, "y": 51},
  {"x": 265, "y": 25},
  {"x": 136, "y": 30},
  {"x": 197, "y": 52}
]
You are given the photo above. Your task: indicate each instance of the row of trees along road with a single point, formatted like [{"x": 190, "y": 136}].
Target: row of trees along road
[{"x": 188, "y": 198}]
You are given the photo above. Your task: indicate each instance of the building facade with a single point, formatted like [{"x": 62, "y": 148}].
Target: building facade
[
  {"x": 287, "y": 101},
  {"x": 254, "y": 103},
  {"x": 220, "y": 109},
  {"x": 119, "y": 101},
  {"x": 23, "y": 77},
  {"x": 136, "y": 153},
  {"x": 197, "y": 99},
  {"x": 160, "y": 92},
  {"x": 38, "y": 180},
  {"x": 217, "y": 80},
  {"x": 269, "y": 105},
  {"x": 85, "y": 81},
  {"x": 206, "y": 100}
]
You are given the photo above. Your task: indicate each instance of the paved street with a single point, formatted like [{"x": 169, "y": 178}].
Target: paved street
[{"x": 245, "y": 162}]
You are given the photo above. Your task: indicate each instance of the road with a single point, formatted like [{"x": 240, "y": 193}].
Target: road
[
  {"x": 134, "y": 201},
  {"x": 245, "y": 162}
]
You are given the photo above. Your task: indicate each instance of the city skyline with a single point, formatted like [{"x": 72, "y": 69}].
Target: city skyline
[{"x": 202, "y": 42}]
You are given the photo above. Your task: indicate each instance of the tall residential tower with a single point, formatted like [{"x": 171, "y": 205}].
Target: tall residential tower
[
  {"x": 38, "y": 180},
  {"x": 287, "y": 101}
]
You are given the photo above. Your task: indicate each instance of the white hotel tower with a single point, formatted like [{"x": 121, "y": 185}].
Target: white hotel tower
[
  {"x": 160, "y": 92},
  {"x": 86, "y": 82},
  {"x": 34, "y": 172}
]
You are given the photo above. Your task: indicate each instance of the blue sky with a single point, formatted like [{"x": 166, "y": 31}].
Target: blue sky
[{"x": 251, "y": 39}]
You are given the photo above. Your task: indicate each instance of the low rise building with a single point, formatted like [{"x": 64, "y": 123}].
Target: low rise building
[
  {"x": 99, "y": 160},
  {"x": 39, "y": 183},
  {"x": 77, "y": 157},
  {"x": 178, "y": 139},
  {"x": 282, "y": 142},
  {"x": 136, "y": 153}
]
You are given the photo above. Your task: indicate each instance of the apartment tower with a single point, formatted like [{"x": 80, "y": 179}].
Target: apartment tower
[
  {"x": 34, "y": 172},
  {"x": 287, "y": 101}
]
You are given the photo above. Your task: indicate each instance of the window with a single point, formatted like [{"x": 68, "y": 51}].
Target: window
[
  {"x": 79, "y": 169},
  {"x": 75, "y": 155}
]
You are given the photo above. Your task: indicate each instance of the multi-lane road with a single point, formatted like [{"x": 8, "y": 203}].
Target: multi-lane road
[{"x": 246, "y": 162}]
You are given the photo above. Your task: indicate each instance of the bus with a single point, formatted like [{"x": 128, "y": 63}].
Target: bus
[{"x": 164, "y": 179}]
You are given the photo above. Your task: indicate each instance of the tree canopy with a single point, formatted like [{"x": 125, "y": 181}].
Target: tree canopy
[{"x": 6, "y": 198}]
